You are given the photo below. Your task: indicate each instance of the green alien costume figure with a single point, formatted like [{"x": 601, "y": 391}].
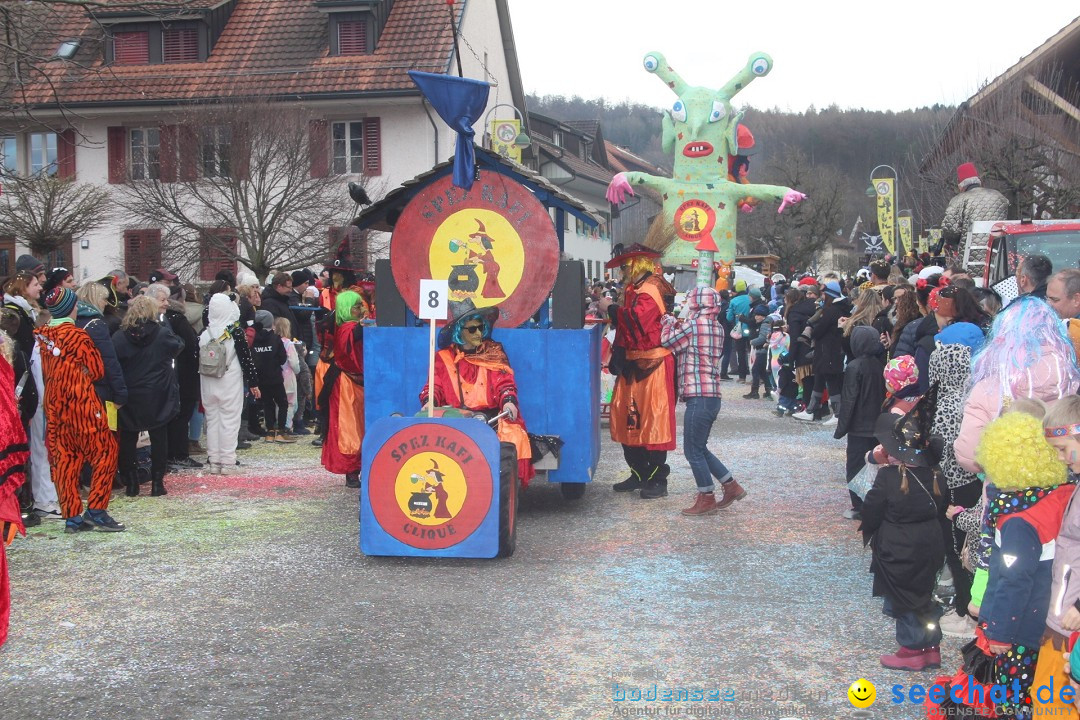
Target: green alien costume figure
[{"x": 701, "y": 130}]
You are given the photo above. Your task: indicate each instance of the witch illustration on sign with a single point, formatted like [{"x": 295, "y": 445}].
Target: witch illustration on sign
[
  {"x": 486, "y": 259},
  {"x": 435, "y": 485}
]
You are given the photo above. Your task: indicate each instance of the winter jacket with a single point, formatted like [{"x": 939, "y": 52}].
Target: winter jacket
[
  {"x": 1045, "y": 380},
  {"x": 974, "y": 204},
  {"x": 1065, "y": 585},
  {"x": 187, "y": 362},
  {"x": 304, "y": 328},
  {"x": 739, "y": 306},
  {"x": 760, "y": 341},
  {"x": 268, "y": 351},
  {"x": 698, "y": 344},
  {"x": 925, "y": 331},
  {"x": 278, "y": 305},
  {"x": 950, "y": 370},
  {"x": 797, "y": 319},
  {"x": 828, "y": 338},
  {"x": 905, "y": 344},
  {"x": 1017, "y": 596},
  {"x": 905, "y": 534},
  {"x": 864, "y": 385},
  {"x": 146, "y": 352},
  {"x": 112, "y": 387},
  {"x": 24, "y": 347}
]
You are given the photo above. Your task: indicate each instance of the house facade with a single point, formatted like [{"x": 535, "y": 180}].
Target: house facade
[{"x": 106, "y": 110}]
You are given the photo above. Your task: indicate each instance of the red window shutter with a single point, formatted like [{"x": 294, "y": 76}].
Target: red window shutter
[
  {"x": 189, "y": 140},
  {"x": 142, "y": 252},
  {"x": 372, "y": 147},
  {"x": 212, "y": 257},
  {"x": 131, "y": 48},
  {"x": 180, "y": 46},
  {"x": 167, "y": 152},
  {"x": 318, "y": 148},
  {"x": 117, "y": 140},
  {"x": 352, "y": 37},
  {"x": 65, "y": 155}
]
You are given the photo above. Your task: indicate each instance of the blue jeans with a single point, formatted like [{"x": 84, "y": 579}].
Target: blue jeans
[{"x": 700, "y": 415}]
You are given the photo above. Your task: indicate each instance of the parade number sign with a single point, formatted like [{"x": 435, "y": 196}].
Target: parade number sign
[
  {"x": 494, "y": 244},
  {"x": 429, "y": 486}
]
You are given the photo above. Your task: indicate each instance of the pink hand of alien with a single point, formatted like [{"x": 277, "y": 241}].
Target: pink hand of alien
[
  {"x": 792, "y": 198},
  {"x": 746, "y": 208},
  {"x": 618, "y": 188}
]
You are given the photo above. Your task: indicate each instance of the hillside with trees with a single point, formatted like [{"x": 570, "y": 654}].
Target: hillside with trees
[{"x": 827, "y": 153}]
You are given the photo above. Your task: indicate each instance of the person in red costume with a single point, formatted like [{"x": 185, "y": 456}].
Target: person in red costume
[
  {"x": 14, "y": 452},
  {"x": 643, "y": 403},
  {"x": 473, "y": 372},
  {"x": 345, "y": 384}
]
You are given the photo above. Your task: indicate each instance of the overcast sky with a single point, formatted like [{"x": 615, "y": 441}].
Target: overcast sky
[{"x": 854, "y": 54}]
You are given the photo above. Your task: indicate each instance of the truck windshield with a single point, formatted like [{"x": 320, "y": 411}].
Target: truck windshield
[{"x": 1061, "y": 246}]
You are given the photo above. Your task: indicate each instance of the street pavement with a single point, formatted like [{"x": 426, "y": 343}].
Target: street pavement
[{"x": 247, "y": 597}]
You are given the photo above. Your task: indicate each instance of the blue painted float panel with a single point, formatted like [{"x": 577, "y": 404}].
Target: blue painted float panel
[{"x": 557, "y": 374}]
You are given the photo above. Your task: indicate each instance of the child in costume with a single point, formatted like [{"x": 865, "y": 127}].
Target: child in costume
[
  {"x": 1025, "y": 515},
  {"x": 899, "y": 522},
  {"x": 77, "y": 429},
  {"x": 759, "y": 344},
  {"x": 1062, "y": 430}
]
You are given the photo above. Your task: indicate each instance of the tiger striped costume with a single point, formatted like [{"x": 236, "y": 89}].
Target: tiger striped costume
[{"x": 76, "y": 426}]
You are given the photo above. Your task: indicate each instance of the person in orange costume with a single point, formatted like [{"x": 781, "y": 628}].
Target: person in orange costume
[
  {"x": 14, "y": 452},
  {"x": 643, "y": 403},
  {"x": 345, "y": 383},
  {"x": 76, "y": 427},
  {"x": 472, "y": 371}
]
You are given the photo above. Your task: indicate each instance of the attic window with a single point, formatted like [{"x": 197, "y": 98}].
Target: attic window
[
  {"x": 67, "y": 49},
  {"x": 350, "y": 32},
  {"x": 180, "y": 46},
  {"x": 131, "y": 48}
]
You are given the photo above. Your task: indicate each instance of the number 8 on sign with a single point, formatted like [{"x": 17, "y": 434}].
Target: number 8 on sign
[{"x": 433, "y": 299}]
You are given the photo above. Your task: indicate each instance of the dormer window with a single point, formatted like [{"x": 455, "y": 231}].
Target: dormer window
[
  {"x": 67, "y": 49},
  {"x": 131, "y": 48},
  {"x": 351, "y": 33},
  {"x": 157, "y": 43}
]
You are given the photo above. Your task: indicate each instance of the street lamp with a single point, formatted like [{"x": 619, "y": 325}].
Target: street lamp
[{"x": 522, "y": 140}]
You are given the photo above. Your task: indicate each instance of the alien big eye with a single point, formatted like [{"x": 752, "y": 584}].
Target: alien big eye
[
  {"x": 718, "y": 111},
  {"x": 651, "y": 63},
  {"x": 678, "y": 111},
  {"x": 760, "y": 66}
]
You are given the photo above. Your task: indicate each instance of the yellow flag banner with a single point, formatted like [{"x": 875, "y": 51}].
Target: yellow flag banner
[
  {"x": 924, "y": 243},
  {"x": 886, "y": 212},
  {"x": 904, "y": 223},
  {"x": 504, "y": 134},
  {"x": 935, "y": 238}
]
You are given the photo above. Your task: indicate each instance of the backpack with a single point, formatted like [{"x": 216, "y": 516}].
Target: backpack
[{"x": 213, "y": 358}]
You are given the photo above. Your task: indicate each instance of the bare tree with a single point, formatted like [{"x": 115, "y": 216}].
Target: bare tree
[
  {"x": 244, "y": 191},
  {"x": 799, "y": 233},
  {"x": 48, "y": 213},
  {"x": 32, "y": 33},
  {"x": 1024, "y": 138}
]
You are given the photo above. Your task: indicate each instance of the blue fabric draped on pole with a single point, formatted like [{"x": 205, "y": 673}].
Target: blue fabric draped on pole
[{"x": 459, "y": 102}]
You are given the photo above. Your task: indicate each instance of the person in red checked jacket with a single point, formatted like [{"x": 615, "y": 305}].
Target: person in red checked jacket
[
  {"x": 697, "y": 339},
  {"x": 643, "y": 403},
  {"x": 14, "y": 452}
]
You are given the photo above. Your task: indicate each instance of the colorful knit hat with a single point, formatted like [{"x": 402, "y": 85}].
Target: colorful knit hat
[
  {"x": 900, "y": 372},
  {"x": 60, "y": 301}
]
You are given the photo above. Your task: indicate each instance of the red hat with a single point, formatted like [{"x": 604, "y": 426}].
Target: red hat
[
  {"x": 634, "y": 251},
  {"x": 807, "y": 281},
  {"x": 966, "y": 174},
  {"x": 745, "y": 137}
]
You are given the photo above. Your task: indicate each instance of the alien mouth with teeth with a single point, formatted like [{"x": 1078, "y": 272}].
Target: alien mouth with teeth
[{"x": 702, "y": 123}]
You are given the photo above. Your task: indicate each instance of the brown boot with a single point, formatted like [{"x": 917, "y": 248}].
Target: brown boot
[
  {"x": 704, "y": 504},
  {"x": 271, "y": 436},
  {"x": 285, "y": 437},
  {"x": 732, "y": 491}
]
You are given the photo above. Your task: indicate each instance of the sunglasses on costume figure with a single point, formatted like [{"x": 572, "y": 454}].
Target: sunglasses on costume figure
[{"x": 473, "y": 328}]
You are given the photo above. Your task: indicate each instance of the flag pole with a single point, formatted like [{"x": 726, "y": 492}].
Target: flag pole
[{"x": 453, "y": 27}]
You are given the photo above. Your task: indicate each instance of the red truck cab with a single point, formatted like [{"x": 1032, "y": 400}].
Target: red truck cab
[{"x": 1013, "y": 240}]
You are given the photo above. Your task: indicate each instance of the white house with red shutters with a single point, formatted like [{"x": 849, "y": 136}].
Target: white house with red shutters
[{"x": 120, "y": 73}]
